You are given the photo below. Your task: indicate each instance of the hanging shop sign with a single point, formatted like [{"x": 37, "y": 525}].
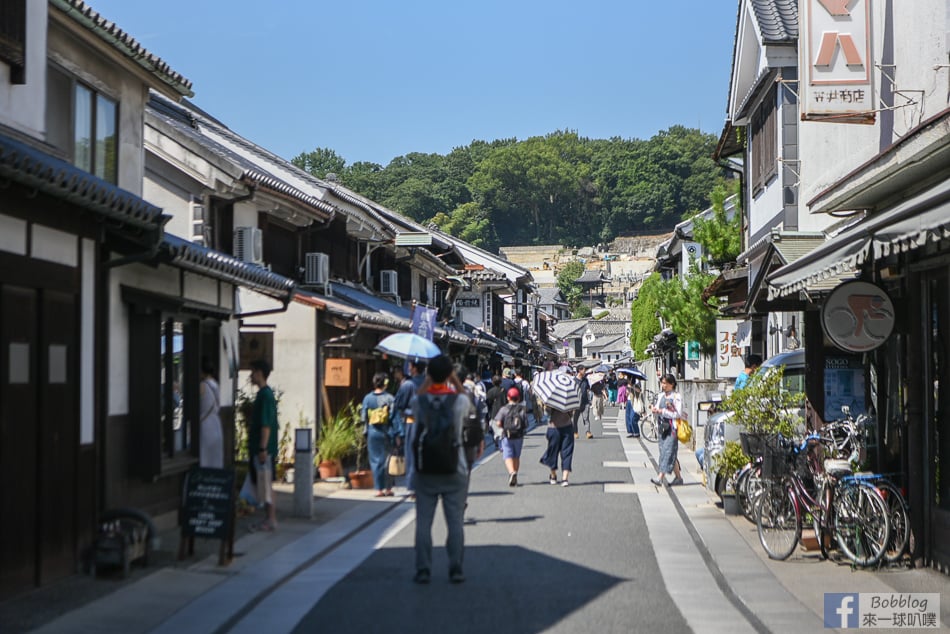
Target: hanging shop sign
[
  {"x": 858, "y": 316},
  {"x": 337, "y": 373},
  {"x": 835, "y": 50}
]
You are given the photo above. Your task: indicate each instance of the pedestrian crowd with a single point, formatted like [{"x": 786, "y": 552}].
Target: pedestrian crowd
[{"x": 432, "y": 424}]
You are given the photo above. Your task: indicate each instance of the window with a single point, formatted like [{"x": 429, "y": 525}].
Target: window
[
  {"x": 176, "y": 432},
  {"x": 94, "y": 134},
  {"x": 13, "y": 38},
  {"x": 83, "y": 124},
  {"x": 764, "y": 134}
]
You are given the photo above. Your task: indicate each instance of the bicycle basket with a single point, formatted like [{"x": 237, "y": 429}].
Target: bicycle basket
[
  {"x": 753, "y": 445},
  {"x": 777, "y": 458}
]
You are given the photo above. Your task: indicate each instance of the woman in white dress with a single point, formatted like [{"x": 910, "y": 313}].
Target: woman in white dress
[{"x": 212, "y": 438}]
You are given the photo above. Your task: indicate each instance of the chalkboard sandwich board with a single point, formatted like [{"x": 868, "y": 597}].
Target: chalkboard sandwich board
[{"x": 208, "y": 505}]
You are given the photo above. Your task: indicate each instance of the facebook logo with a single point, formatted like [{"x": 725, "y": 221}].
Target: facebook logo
[{"x": 841, "y": 610}]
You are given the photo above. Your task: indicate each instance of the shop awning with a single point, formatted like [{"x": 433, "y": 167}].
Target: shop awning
[{"x": 910, "y": 225}]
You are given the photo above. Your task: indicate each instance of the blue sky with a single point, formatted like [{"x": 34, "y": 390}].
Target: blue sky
[{"x": 377, "y": 79}]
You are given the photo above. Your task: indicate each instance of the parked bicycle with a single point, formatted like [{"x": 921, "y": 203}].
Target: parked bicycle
[
  {"x": 849, "y": 509},
  {"x": 648, "y": 428}
]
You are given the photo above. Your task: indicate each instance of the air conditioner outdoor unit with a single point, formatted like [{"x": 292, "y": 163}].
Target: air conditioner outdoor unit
[
  {"x": 388, "y": 283},
  {"x": 248, "y": 244},
  {"x": 316, "y": 268}
]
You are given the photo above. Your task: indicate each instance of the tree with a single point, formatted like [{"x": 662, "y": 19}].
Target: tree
[
  {"x": 470, "y": 223},
  {"x": 720, "y": 236},
  {"x": 644, "y": 314},
  {"x": 573, "y": 294},
  {"x": 320, "y": 162},
  {"x": 558, "y": 188},
  {"x": 685, "y": 311}
]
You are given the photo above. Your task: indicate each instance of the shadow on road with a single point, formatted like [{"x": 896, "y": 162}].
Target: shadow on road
[{"x": 522, "y": 590}]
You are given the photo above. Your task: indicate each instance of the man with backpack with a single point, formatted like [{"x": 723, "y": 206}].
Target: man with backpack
[
  {"x": 441, "y": 470},
  {"x": 525, "y": 388},
  {"x": 512, "y": 423}
]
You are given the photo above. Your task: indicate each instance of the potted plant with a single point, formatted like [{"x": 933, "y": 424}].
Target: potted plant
[
  {"x": 729, "y": 462},
  {"x": 339, "y": 437},
  {"x": 360, "y": 478}
]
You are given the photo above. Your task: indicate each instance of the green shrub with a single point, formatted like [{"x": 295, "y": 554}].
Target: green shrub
[
  {"x": 341, "y": 435},
  {"x": 763, "y": 407}
]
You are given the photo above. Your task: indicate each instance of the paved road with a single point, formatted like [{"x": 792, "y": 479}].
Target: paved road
[
  {"x": 538, "y": 558},
  {"x": 609, "y": 553}
]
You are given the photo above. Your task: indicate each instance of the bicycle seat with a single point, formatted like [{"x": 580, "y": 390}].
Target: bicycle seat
[{"x": 837, "y": 467}]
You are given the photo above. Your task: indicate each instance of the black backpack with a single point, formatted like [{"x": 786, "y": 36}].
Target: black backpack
[
  {"x": 435, "y": 447},
  {"x": 515, "y": 422}
]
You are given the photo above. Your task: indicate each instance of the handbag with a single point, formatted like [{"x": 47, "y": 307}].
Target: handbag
[
  {"x": 683, "y": 431},
  {"x": 397, "y": 463},
  {"x": 664, "y": 426},
  {"x": 264, "y": 478}
]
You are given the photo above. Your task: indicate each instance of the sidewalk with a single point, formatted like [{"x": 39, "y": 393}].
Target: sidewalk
[
  {"x": 747, "y": 576},
  {"x": 152, "y": 594}
]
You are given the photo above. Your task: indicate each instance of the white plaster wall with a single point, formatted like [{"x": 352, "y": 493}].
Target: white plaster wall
[
  {"x": 18, "y": 102},
  {"x": 87, "y": 352},
  {"x": 829, "y": 151},
  {"x": 54, "y": 245},
  {"x": 118, "y": 365},
  {"x": 245, "y": 214},
  {"x": 12, "y": 235},
  {"x": 204, "y": 289},
  {"x": 766, "y": 205},
  {"x": 174, "y": 201},
  {"x": 295, "y": 359}
]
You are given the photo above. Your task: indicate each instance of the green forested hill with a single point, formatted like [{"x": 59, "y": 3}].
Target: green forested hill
[{"x": 560, "y": 188}]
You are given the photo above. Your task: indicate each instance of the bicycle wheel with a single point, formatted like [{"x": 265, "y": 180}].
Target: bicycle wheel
[
  {"x": 749, "y": 487},
  {"x": 778, "y": 522},
  {"x": 861, "y": 523},
  {"x": 648, "y": 428},
  {"x": 897, "y": 513}
]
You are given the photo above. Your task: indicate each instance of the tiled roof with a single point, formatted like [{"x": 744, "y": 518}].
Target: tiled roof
[
  {"x": 258, "y": 167},
  {"x": 550, "y": 295},
  {"x": 608, "y": 327},
  {"x": 570, "y": 327},
  {"x": 115, "y": 37},
  {"x": 222, "y": 266},
  {"x": 484, "y": 275},
  {"x": 591, "y": 276},
  {"x": 55, "y": 177},
  {"x": 610, "y": 343},
  {"x": 777, "y": 19}
]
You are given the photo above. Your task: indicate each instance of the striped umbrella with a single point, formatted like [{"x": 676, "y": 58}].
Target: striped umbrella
[{"x": 558, "y": 390}]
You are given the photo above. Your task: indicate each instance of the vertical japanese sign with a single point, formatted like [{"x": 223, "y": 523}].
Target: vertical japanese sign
[
  {"x": 423, "y": 322},
  {"x": 835, "y": 49},
  {"x": 729, "y": 362}
]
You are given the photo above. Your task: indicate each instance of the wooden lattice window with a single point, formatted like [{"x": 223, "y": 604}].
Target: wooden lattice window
[{"x": 764, "y": 137}]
